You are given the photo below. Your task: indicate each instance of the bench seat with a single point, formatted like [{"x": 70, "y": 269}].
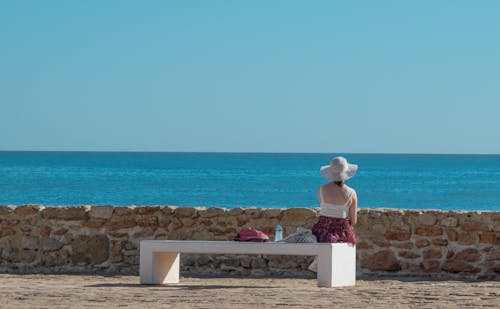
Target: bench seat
[{"x": 160, "y": 259}]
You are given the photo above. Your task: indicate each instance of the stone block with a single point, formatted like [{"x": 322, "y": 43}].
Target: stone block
[
  {"x": 188, "y": 222},
  {"x": 45, "y": 231},
  {"x": 6, "y": 210},
  {"x": 449, "y": 222},
  {"x": 440, "y": 242},
  {"x": 231, "y": 261},
  {"x": 474, "y": 221},
  {"x": 258, "y": 263},
  {"x": 474, "y": 227},
  {"x": 174, "y": 225},
  {"x": 408, "y": 255},
  {"x": 28, "y": 210},
  {"x": 216, "y": 231},
  {"x": 496, "y": 225},
  {"x": 118, "y": 223},
  {"x": 272, "y": 212},
  {"x": 410, "y": 267},
  {"x": 89, "y": 249},
  {"x": 146, "y": 210},
  {"x": 455, "y": 266},
  {"x": 241, "y": 220},
  {"x": 61, "y": 231},
  {"x": 488, "y": 238},
  {"x": 205, "y": 222},
  {"x": 427, "y": 219},
  {"x": 297, "y": 216},
  {"x": 161, "y": 235},
  {"x": 380, "y": 261},
  {"x": 452, "y": 234},
  {"x": 164, "y": 219},
  {"x": 147, "y": 220},
  {"x": 235, "y": 211},
  {"x": 493, "y": 255},
  {"x": 362, "y": 245},
  {"x": 185, "y": 212},
  {"x": 5, "y": 232},
  {"x": 203, "y": 260},
  {"x": 30, "y": 242},
  {"x": 94, "y": 223},
  {"x": 245, "y": 261},
  {"x": 402, "y": 245},
  {"x": 130, "y": 252},
  {"x": 53, "y": 259},
  {"x": 10, "y": 223},
  {"x": 467, "y": 238},
  {"x": 101, "y": 212},
  {"x": 468, "y": 255},
  {"x": 116, "y": 246},
  {"x": 131, "y": 259},
  {"x": 431, "y": 266},
  {"x": 492, "y": 269},
  {"x": 432, "y": 254},
  {"x": 118, "y": 234},
  {"x": 5, "y": 248},
  {"x": 381, "y": 242},
  {"x": 212, "y": 212},
  {"x": 429, "y": 231},
  {"x": 252, "y": 212},
  {"x": 398, "y": 224},
  {"x": 378, "y": 228},
  {"x": 144, "y": 233},
  {"x": 132, "y": 244},
  {"x": 400, "y": 236},
  {"x": 169, "y": 210},
  {"x": 421, "y": 243},
  {"x": 26, "y": 230},
  {"x": 222, "y": 224},
  {"x": 50, "y": 244},
  {"x": 65, "y": 213},
  {"x": 123, "y": 211},
  {"x": 25, "y": 256}
]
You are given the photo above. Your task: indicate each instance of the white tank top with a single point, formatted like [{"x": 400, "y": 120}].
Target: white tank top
[{"x": 334, "y": 210}]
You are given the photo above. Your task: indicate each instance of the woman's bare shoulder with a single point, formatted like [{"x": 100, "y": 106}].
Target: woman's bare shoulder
[
  {"x": 325, "y": 185},
  {"x": 349, "y": 189}
]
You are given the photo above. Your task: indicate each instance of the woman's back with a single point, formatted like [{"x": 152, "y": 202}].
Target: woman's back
[{"x": 334, "y": 194}]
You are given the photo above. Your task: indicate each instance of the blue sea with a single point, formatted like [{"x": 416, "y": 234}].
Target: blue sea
[{"x": 406, "y": 181}]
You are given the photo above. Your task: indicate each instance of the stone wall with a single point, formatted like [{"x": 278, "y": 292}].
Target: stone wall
[{"x": 105, "y": 239}]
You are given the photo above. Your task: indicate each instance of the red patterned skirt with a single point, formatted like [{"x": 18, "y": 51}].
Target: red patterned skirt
[{"x": 328, "y": 229}]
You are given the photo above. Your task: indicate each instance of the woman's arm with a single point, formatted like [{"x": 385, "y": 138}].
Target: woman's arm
[{"x": 353, "y": 209}]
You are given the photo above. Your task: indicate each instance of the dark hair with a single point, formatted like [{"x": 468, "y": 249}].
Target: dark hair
[{"x": 339, "y": 183}]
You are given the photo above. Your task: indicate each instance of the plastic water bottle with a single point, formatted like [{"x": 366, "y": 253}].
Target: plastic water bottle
[{"x": 278, "y": 235}]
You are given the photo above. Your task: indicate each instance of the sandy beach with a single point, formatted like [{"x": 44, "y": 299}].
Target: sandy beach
[{"x": 83, "y": 291}]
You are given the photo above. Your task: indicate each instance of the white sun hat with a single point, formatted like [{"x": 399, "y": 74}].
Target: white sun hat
[{"x": 339, "y": 169}]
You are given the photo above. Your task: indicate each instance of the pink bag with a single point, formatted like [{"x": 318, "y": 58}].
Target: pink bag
[{"x": 251, "y": 234}]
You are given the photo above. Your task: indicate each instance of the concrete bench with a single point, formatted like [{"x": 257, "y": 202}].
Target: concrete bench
[{"x": 160, "y": 259}]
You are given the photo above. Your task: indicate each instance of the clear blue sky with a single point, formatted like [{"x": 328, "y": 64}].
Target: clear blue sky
[{"x": 258, "y": 76}]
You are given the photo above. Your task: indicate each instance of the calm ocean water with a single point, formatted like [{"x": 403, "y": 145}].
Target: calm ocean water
[{"x": 464, "y": 182}]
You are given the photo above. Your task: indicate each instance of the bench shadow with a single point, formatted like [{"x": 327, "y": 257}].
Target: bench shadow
[
  {"x": 402, "y": 278},
  {"x": 177, "y": 286}
]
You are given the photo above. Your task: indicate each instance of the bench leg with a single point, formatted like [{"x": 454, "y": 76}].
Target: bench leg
[
  {"x": 337, "y": 266},
  {"x": 159, "y": 268}
]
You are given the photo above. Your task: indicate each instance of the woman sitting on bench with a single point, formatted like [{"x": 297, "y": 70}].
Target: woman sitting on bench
[{"x": 338, "y": 205}]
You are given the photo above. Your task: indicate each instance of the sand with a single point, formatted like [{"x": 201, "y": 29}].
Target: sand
[{"x": 82, "y": 291}]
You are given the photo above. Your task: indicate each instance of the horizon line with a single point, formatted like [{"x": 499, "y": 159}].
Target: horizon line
[{"x": 254, "y": 152}]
